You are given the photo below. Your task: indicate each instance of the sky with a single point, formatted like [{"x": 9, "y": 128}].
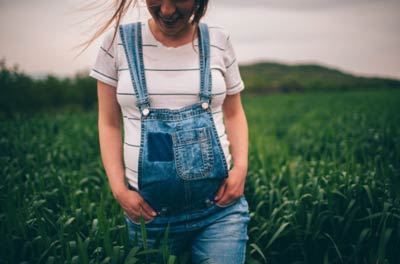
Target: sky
[{"x": 357, "y": 36}]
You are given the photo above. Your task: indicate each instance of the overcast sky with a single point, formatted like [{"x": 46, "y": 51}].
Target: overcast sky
[{"x": 358, "y": 36}]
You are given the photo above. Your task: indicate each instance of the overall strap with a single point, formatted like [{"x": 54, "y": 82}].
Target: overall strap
[
  {"x": 131, "y": 35},
  {"x": 205, "y": 70}
]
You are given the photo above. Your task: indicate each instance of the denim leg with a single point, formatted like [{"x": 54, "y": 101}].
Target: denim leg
[
  {"x": 224, "y": 240},
  {"x": 177, "y": 241}
]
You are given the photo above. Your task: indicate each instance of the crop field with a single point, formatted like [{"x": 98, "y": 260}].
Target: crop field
[{"x": 323, "y": 184}]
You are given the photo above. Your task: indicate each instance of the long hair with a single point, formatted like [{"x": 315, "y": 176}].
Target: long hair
[{"x": 122, "y": 6}]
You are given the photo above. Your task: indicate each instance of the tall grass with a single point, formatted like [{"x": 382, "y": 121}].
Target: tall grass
[{"x": 323, "y": 185}]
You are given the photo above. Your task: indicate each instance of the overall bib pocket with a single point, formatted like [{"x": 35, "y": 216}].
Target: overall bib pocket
[{"x": 193, "y": 153}]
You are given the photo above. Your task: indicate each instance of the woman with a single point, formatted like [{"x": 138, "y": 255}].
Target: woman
[{"x": 177, "y": 83}]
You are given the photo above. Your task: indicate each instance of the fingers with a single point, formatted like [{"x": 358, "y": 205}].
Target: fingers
[
  {"x": 135, "y": 215},
  {"x": 221, "y": 191},
  {"x": 226, "y": 200},
  {"x": 147, "y": 209},
  {"x": 141, "y": 207},
  {"x": 226, "y": 194}
]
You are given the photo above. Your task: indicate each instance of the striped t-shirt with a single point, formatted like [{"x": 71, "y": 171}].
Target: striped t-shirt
[{"x": 172, "y": 77}]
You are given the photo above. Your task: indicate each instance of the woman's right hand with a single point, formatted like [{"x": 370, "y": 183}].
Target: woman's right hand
[
  {"x": 111, "y": 152},
  {"x": 134, "y": 205}
]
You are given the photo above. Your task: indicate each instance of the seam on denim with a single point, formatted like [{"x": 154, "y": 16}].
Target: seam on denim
[
  {"x": 221, "y": 150},
  {"x": 205, "y": 146},
  {"x": 209, "y": 162},
  {"x": 127, "y": 55},
  {"x": 140, "y": 159},
  {"x": 204, "y": 58},
  {"x": 200, "y": 138},
  {"x": 139, "y": 55},
  {"x": 175, "y": 115}
]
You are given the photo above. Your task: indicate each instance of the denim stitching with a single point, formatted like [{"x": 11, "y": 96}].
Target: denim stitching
[
  {"x": 204, "y": 50},
  {"x": 127, "y": 54},
  {"x": 207, "y": 152},
  {"x": 205, "y": 147},
  {"x": 140, "y": 161},
  {"x": 176, "y": 115},
  {"x": 141, "y": 73},
  {"x": 224, "y": 162},
  {"x": 210, "y": 149},
  {"x": 201, "y": 137}
]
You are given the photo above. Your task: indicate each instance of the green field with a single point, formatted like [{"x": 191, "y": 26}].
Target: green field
[{"x": 323, "y": 184}]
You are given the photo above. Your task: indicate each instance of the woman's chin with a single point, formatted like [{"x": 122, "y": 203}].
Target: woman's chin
[{"x": 172, "y": 29}]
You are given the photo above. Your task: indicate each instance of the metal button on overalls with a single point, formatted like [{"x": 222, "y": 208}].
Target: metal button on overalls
[{"x": 145, "y": 112}]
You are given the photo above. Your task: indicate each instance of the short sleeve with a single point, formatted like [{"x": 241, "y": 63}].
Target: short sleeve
[
  {"x": 233, "y": 80},
  {"x": 104, "y": 69}
]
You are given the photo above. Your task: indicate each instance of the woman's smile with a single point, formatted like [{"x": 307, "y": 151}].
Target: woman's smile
[
  {"x": 172, "y": 18},
  {"x": 169, "y": 21}
]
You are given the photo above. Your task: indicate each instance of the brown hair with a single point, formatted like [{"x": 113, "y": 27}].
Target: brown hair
[{"x": 122, "y": 6}]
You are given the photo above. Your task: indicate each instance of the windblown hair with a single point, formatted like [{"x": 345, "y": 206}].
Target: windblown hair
[{"x": 122, "y": 6}]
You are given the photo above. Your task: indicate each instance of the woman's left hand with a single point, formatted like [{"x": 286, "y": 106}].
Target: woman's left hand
[{"x": 232, "y": 188}]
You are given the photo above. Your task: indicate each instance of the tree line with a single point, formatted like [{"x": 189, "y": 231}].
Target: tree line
[{"x": 21, "y": 93}]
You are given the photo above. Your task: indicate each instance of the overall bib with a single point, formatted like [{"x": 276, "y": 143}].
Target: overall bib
[{"x": 181, "y": 160}]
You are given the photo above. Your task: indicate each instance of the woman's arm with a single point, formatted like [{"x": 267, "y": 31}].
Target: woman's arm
[
  {"x": 109, "y": 124},
  {"x": 237, "y": 131}
]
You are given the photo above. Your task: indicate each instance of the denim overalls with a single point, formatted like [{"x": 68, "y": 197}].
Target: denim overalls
[
  {"x": 181, "y": 166},
  {"x": 181, "y": 161}
]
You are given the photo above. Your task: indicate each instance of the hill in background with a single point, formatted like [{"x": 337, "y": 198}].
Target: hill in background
[
  {"x": 20, "y": 92},
  {"x": 274, "y": 77}
]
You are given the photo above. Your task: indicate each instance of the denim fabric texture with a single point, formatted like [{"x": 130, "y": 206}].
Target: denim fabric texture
[
  {"x": 216, "y": 235},
  {"x": 181, "y": 161}
]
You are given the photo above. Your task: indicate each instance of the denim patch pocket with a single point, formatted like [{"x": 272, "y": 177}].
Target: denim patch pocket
[
  {"x": 193, "y": 153},
  {"x": 159, "y": 147}
]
